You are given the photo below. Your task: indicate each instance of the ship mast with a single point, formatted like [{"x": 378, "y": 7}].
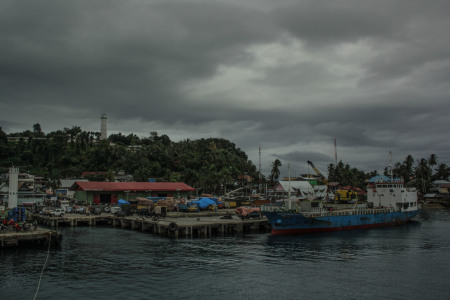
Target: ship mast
[
  {"x": 289, "y": 186},
  {"x": 260, "y": 176}
]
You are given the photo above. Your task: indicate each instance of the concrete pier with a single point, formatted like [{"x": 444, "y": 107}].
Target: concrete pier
[
  {"x": 39, "y": 237},
  {"x": 176, "y": 224}
]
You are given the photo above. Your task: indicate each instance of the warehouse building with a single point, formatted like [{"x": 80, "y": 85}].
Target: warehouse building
[{"x": 111, "y": 192}]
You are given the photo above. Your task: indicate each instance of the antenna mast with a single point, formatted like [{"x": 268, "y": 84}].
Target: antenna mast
[
  {"x": 335, "y": 152},
  {"x": 289, "y": 187}
]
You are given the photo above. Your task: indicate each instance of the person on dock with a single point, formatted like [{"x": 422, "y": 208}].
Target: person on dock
[{"x": 11, "y": 225}]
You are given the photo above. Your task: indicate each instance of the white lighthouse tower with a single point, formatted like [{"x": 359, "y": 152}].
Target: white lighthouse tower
[
  {"x": 103, "y": 127},
  {"x": 13, "y": 187}
]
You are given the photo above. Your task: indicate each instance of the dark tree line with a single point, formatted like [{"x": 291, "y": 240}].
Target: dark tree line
[
  {"x": 422, "y": 172},
  {"x": 415, "y": 173},
  {"x": 210, "y": 164}
]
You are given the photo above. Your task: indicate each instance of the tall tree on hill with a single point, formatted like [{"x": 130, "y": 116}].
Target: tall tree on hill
[
  {"x": 405, "y": 170},
  {"x": 275, "y": 172},
  {"x": 423, "y": 174},
  {"x": 432, "y": 161},
  {"x": 37, "y": 131},
  {"x": 54, "y": 181},
  {"x": 442, "y": 172}
]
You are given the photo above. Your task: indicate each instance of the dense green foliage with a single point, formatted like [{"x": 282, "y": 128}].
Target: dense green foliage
[
  {"x": 419, "y": 174},
  {"x": 210, "y": 165},
  {"x": 275, "y": 172},
  {"x": 348, "y": 176}
]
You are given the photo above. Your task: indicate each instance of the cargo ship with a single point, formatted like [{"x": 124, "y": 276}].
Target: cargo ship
[{"x": 388, "y": 203}]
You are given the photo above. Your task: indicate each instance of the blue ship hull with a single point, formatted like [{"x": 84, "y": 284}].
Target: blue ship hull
[{"x": 297, "y": 223}]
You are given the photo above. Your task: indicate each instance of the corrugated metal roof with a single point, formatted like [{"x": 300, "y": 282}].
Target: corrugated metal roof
[
  {"x": 133, "y": 186},
  {"x": 67, "y": 183},
  {"x": 440, "y": 182},
  {"x": 297, "y": 186}
]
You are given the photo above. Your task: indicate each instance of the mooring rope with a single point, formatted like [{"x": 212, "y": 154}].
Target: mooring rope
[{"x": 43, "y": 268}]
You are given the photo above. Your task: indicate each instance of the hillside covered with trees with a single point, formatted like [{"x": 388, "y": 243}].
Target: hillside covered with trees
[{"x": 209, "y": 164}]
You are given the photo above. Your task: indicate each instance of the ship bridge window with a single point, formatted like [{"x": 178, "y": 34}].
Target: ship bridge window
[{"x": 405, "y": 205}]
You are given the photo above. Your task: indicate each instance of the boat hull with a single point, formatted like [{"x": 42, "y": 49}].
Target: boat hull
[{"x": 284, "y": 223}]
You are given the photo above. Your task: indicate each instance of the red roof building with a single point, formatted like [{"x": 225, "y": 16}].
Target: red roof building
[
  {"x": 132, "y": 186},
  {"x": 110, "y": 192}
]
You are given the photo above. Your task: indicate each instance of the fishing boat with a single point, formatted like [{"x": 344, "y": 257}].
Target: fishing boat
[{"x": 388, "y": 203}]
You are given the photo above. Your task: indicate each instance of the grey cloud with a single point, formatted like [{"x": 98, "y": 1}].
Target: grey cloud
[{"x": 62, "y": 64}]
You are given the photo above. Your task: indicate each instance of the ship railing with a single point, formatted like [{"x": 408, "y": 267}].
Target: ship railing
[
  {"x": 348, "y": 212},
  {"x": 325, "y": 213},
  {"x": 271, "y": 208}
]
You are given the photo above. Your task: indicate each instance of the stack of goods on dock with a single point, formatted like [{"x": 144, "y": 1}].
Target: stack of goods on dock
[{"x": 17, "y": 214}]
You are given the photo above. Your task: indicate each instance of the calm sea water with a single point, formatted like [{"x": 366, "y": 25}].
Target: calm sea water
[{"x": 405, "y": 262}]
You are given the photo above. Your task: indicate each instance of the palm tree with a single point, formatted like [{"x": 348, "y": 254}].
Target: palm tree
[
  {"x": 443, "y": 172},
  {"x": 275, "y": 173},
  {"x": 53, "y": 181}
]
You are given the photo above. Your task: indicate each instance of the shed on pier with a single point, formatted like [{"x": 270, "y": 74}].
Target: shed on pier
[{"x": 111, "y": 192}]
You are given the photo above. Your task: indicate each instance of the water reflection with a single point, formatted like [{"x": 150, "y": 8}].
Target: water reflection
[
  {"x": 107, "y": 263},
  {"x": 341, "y": 246}
]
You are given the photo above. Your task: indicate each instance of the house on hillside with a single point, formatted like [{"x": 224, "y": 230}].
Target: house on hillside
[{"x": 111, "y": 192}]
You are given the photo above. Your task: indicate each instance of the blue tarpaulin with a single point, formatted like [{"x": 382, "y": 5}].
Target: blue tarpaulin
[
  {"x": 121, "y": 201},
  {"x": 204, "y": 202}
]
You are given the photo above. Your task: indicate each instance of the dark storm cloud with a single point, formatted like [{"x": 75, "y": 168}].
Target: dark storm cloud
[
  {"x": 118, "y": 53},
  {"x": 287, "y": 76}
]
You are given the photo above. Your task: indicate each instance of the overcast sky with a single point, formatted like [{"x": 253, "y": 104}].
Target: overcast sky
[{"x": 286, "y": 76}]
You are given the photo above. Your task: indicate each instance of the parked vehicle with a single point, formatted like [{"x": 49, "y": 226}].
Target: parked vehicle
[
  {"x": 96, "y": 210},
  {"x": 45, "y": 211},
  {"x": 58, "y": 212},
  {"x": 115, "y": 209},
  {"x": 80, "y": 210}
]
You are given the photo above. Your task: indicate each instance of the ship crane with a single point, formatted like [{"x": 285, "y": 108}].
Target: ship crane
[{"x": 322, "y": 177}]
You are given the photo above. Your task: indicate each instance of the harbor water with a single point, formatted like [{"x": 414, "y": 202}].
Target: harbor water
[{"x": 411, "y": 261}]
